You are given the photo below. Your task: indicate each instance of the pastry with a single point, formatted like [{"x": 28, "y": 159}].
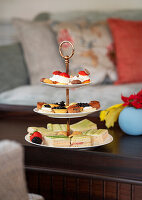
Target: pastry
[
  {"x": 97, "y": 136},
  {"x": 42, "y": 79},
  {"x": 76, "y": 82},
  {"x": 95, "y": 104},
  {"x": 56, "y": 141},
  {"x": 87, "y": 81},
  {"x": 80, "y": 141},
  {"x": 74, "y": 109},
  {"x": 59, "y": 109},
  {"x": 86, "y": 107},
  {"x": 40, "y": 104},
  {"x": 46, "y": 80},
  {"x": 60, "y": 78},
  {"x": 84, "y": 77}
]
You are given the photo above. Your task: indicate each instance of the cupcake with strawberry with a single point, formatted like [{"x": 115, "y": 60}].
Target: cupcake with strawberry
[
  {"x": 63, "y": 78},
  {"x": 83, "y": 76},
  {"x": 55, "y": 77}
]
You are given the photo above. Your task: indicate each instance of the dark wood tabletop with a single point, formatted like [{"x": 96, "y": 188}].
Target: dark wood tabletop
[
  {"x": 124, "y": 150},
  {"x": 119, "y": 161}
]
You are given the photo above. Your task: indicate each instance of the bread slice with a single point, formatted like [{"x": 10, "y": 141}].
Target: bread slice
[
  {"x": 79, "y": 126},
  {"x": 97, "y": 136},
  {"x": 83, "y": 125},
  {"x": 56, "y": 127},
  {"x": 80, "y": 141},
  {"x": 56, "y": 141}
]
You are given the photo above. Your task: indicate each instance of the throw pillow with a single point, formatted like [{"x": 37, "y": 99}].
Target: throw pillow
[
  {"x": 93, "y": 45},
  {"x": 128, "y": 43},
  {"x": 40, "y": 49},
  {"x": 13, "y": 71}
]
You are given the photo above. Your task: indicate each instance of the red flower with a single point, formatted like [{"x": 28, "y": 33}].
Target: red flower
[{"x": 134, "y": 100}]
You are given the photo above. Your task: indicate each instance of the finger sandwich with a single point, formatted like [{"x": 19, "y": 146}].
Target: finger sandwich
[
  {"x": 97, "y": 136},
  {"x": 80, "y": 141},
  {"x": 56, "y": 141}
]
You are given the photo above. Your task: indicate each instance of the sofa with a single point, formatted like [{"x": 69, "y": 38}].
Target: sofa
[{"x": 21, "y": 86}]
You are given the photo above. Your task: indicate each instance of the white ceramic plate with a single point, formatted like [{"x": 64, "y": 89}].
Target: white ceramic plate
[
  {"x": 64, "y": 115},
  {"x": 108, "y": 140},
  {"x": 66, "y": 86}
]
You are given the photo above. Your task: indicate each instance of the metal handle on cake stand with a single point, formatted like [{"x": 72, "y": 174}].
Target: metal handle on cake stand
[{"x": 66, "y": 58}]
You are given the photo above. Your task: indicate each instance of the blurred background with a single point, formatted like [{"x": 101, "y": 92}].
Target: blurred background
[
  {"x": 29, "y": 8},
  {"x": 31, "y": 31}
]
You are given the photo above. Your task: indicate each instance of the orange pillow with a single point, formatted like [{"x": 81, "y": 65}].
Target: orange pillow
[{"x": 128, "y": 44}]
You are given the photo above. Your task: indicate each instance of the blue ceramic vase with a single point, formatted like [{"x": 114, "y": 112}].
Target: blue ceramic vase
[{"x": 130, "y": 121}]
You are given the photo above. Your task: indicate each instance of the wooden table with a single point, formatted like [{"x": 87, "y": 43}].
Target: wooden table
[{"x": 113, "y": 171}]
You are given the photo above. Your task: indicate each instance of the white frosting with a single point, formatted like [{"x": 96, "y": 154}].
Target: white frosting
[
  {"x": 74, "y": 78},
  {"x": 83, "y": 78},
  {"x": 88, "y": 108},
  {"x": 46, "y": 109},
  {"x": 60, "y": 79},
  {"x": 54, "y": 78}
]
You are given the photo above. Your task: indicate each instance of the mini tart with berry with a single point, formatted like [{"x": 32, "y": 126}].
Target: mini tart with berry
[
  {"x": 56, "y": 76},
  {"x": 59, "y": 109},
  {"x": 74, "y": 109},
  {"x": 64, "y": 79},
  {"x": 40, "y": 104},
  {"x": 84, "y": 76},
  {"x": 95, "y": 104},
  {"x": 46, "y": 80},
  {"x": 86, "y": 107}
]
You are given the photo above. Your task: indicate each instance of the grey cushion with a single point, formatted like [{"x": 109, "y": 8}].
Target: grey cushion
[
  {"x": 13, "y": 71},
  {"x": 40, "y": 49}
]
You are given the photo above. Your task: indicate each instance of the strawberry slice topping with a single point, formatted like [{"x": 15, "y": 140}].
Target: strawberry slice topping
[
  {"x": 82, "y": 73},
  {"x": 65, "y": 75},
  {"x": 57, "y": 72},
  {"x": 36, "y": 134}
]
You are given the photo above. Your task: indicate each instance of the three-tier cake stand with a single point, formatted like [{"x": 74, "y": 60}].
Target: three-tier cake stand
[{"x": 68, "y": 116}]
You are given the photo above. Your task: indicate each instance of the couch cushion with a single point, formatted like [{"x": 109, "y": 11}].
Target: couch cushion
[
  {"x": 128, "y": 44},
  {"x": 92, "y": 44},
  {"x": 106, "y": 94},
  {"x": 13, "y": 71},
  {"x": 40, "y": 49}
]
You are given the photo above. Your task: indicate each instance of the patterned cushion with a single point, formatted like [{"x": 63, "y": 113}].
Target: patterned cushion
[
  {"x": 40, "y": 48},
  {"x": 93, "y": 44}
]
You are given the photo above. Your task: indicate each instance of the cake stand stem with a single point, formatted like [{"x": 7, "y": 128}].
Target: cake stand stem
[
  {"x": 68, "y": 127},
  {"x": 67, "y": 96},
  {"x": 67, "y": 71}
]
